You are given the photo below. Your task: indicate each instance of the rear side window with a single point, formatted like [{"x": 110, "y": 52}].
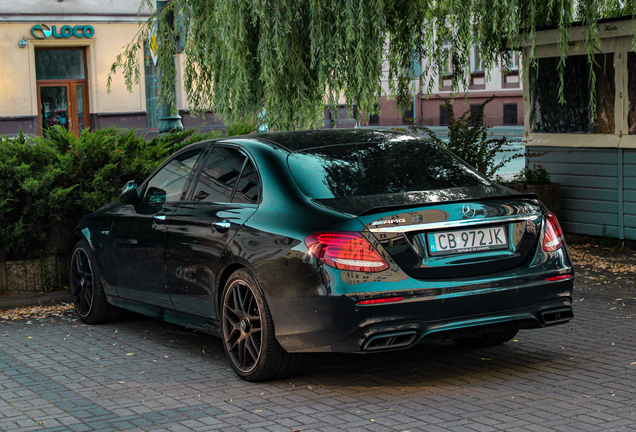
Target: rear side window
[
  {"x": 219, "y": 175},
  {"x": 405, "y": 164},
  {"x": 248, "y": 188}
]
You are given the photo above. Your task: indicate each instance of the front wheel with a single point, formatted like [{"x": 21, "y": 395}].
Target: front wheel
[
  {"x": 248, "y": 332},
  {"x": 87, "y": 292}
]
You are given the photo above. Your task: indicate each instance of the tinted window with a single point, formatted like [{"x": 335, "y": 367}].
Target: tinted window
[
  {"x": 403, "y": 164},
  {"x": 168, "y": 183},
  {"x": 248, "y": 186},
  {"x": 219, "y": 175}
]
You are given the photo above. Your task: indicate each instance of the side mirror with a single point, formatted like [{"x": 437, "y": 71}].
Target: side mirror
[
  {"x": 130, "y": 193},
  {"x": 155, "y": 195}
]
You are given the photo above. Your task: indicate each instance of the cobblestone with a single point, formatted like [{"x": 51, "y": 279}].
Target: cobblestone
[{"x": 57, "y": 374}]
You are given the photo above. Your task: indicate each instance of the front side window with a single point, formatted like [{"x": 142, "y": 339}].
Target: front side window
[
  {"x": 218, "y": 176},
  {"x": 548, "y": 115},
  {"x": 168, "y": 184}
]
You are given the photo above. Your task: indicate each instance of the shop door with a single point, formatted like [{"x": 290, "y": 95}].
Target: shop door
[{"x": 62, "y": 89}]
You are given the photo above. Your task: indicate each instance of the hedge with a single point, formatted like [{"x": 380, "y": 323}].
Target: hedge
[{"x": 47, "y": 184}]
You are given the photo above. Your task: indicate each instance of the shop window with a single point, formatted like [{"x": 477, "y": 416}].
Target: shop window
[
  {"x": 476, "y": 115},
  {"x": 510, "y": 70},
  {"x": 477, "y": 76},
  {"x": 446, "y": 74},
  {"x": 547, "y": 115},
  {"x": 444, "y": 117},
  {"x": 374, "y": 118},
  {"x": 631, "y": 91},
  {"x": 153, "y": 109},
  {"x": 62, "y": 89},
  {"x": 54, "y": 64},
  {"x": 510, "y": 114},
  {"x": 407, "y": 118}
]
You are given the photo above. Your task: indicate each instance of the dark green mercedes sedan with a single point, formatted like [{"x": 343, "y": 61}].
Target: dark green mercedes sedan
[{"x": 351, "y": 241}]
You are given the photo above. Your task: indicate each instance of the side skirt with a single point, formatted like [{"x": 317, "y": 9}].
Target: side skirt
[{"x": 203, "y": 325}]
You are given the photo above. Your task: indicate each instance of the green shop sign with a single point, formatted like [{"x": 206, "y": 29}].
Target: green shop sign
[{"x": 43, "y": 31}]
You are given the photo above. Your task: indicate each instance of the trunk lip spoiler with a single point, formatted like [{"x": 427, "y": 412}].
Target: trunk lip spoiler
[
  {"x": 456, "y": 223},
  {"x": 387, "y": 208}
]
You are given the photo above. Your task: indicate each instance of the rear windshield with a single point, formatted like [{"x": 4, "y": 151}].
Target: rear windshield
[{"x": 401, "y": 164}]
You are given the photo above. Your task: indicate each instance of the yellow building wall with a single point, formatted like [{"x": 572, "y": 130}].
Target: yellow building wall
[{"x": 18, "y": 95}]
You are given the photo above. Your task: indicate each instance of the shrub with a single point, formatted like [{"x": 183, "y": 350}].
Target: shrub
[
  {"x": 48, "y": 183},
  {"x": 537, "y": 175},
  {"x": 468, "y": 139}
]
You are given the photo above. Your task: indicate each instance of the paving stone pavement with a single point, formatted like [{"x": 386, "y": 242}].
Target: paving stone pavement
[{"x": 57, "y": 374}]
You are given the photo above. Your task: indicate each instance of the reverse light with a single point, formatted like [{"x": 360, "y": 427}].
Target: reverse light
[
  {"x": 558, "y": 278},
  {"x": 380, "y": 300},
  {"x": 553, "y": 235},
  {"x": 346, "y": 251}
]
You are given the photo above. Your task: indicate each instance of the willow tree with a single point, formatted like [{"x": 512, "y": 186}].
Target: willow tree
[{"x": 293, "y": 57}]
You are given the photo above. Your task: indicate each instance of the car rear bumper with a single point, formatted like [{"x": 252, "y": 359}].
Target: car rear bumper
[{"x": 337, "y": 324}]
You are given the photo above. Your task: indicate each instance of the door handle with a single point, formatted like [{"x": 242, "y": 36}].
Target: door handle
[
  {"x": 160, "y": 217},
  {"x": 221, "y": 226}
]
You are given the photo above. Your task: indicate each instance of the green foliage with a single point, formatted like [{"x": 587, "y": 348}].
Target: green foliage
[
  {"x": 241, "y": 127},
  {"x": 468, "y": 138},
  {"x": 293, "y": 56},
  {"x": 536, "y": 175},
  {"x": 48, "y": 183}
]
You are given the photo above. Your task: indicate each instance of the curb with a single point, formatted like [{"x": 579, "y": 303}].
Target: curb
[{"x": 11, "y": 302}]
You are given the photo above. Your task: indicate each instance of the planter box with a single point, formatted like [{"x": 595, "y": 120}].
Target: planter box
[
  {"x": 26, "y": 277},
  {"x": 549, "y": 194}
]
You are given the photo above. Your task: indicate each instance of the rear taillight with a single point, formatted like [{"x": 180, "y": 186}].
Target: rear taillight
[
  {"x": 346, "y": 251},
  {"x": 553, "y": 236}
]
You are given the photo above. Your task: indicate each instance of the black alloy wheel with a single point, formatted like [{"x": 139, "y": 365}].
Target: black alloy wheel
[
  {"x": 242, "y": 330},
  {"x": 81, "y": 282},
  {"x": 248, "y": 332},
  {"x": 87, "y": 292}
]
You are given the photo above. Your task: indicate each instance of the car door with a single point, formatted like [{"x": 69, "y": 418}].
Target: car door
[
  {"x": 139, "y": 232},
  {"x": 224, "y": 197}
]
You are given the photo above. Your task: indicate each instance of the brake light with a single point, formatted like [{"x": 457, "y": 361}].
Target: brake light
[
  {"x": 381, "y": 300},
  {"x": 346, "y": 251},
  {"x": 553, "y": 235}
]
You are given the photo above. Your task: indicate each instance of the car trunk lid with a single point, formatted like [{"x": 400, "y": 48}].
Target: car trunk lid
[{"x": 447, "y": 234}]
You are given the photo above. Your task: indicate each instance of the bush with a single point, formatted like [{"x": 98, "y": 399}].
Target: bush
[
  {"x": 537, "y": 175},
  {"x": 48, "y": 183},
  {"x": 468, "y": 139}
]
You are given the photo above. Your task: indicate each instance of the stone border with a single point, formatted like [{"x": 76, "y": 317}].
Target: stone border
[{"x": 26, "y": 277}]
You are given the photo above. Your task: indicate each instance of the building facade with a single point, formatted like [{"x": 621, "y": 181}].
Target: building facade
[
  {"x": 506, "y": 89},
  {"x": 56, "y": 57}
]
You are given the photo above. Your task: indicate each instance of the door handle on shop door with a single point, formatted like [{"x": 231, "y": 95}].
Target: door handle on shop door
[{"x": 221, "y": 226}]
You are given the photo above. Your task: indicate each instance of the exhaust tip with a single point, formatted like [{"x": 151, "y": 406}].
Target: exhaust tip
[
  {"x": 389, "y": 341},
  {"x": 556, "y": 316}
]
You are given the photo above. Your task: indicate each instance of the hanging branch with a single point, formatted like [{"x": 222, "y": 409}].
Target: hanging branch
[{"x": 293, "y": 57}]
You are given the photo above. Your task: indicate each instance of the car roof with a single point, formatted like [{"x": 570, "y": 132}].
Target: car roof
[{"x": 294, "y": 141}]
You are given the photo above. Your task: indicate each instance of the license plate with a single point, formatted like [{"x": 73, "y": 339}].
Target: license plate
[{"x": 469, "y": 240}]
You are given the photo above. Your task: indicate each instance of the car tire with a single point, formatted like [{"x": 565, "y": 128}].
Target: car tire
[
  {"x": 87, "y": 291},
  {"x": 247, "y": 330},
  {"x": 488, "y": 339}
]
